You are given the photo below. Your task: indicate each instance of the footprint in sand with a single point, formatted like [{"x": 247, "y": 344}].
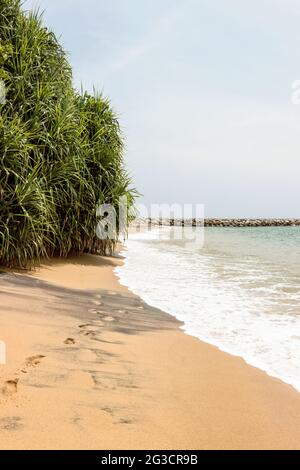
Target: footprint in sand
[
  {"x": 86, "y": 327},
  {"x": 108, "y": 319},
  {"x": 93, "y": 310},
  {"x": 10, "y": 423},
  {"x": 90, "y": 327},
  {"x": 124, "y": 312},
  {"x": 34, "y": 360},
  {"x": 10, "y": 387},
  {"x": 91, "y": 330},
  {"x": 69, "y": 341},
  {"x": 89, "y": 333}
]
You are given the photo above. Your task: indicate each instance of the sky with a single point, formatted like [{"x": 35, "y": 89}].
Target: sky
[{"x": 203, "y": 91}]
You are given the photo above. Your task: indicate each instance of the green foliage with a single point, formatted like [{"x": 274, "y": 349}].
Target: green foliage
[{"x": 61, "y": 153}]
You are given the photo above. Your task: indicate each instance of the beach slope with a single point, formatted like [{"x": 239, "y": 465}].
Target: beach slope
[{"x": 91, "y": 366}]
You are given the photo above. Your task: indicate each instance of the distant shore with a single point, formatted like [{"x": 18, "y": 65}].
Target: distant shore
[
  {"x": 90, "y": 365},
  {"x": 192, "y": 222}
]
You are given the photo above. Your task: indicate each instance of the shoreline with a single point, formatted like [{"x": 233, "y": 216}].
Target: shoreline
[{"x": 83, "y": 347}]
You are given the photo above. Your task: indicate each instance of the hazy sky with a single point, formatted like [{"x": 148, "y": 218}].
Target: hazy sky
[{"x": 203, "y": 91}]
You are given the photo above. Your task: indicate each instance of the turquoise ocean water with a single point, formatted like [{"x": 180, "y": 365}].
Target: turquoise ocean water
[{"x": 236, "y": 288}]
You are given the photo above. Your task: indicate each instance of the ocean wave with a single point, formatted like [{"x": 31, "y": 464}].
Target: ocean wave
[{"x": 248, "y": 306}]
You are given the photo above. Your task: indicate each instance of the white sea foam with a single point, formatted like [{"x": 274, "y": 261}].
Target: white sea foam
[{"x": 241, "y": 292}]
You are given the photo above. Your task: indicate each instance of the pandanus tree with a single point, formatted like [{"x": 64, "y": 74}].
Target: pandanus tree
[{"x": 61, "y": 152}]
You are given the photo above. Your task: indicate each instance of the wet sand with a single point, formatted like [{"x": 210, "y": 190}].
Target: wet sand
[{"x": 91, "y": 366}]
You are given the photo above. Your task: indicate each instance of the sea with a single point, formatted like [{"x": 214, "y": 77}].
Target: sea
[{"x": 235, "y": 288}]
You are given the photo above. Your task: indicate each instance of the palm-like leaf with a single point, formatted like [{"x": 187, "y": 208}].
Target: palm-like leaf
[{"x": 61, "y": 153}]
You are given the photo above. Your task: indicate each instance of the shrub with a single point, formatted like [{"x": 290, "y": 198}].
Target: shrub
[{"x": 61, "y": 152}]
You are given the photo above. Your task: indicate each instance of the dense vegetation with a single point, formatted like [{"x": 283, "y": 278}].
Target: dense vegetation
[{"x": 61, "y": 152}]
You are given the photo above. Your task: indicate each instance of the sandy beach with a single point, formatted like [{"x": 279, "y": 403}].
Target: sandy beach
[{"x": 91, "y": 366}]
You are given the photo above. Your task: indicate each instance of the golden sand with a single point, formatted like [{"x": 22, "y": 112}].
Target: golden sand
[{"x": 90, "y": 366}]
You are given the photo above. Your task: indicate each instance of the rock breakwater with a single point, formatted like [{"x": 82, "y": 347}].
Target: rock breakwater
[{"x": 218, "y": 222}]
